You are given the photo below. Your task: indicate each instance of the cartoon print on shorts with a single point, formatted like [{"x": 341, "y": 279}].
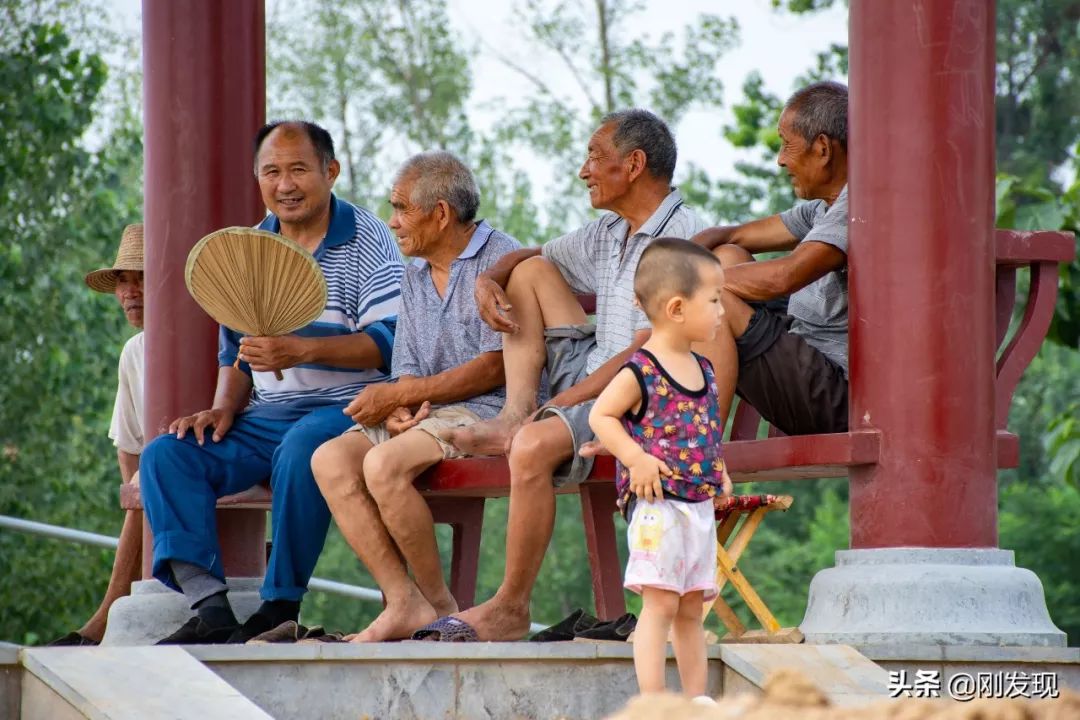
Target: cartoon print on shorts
[{"x": 648, "y": 530}]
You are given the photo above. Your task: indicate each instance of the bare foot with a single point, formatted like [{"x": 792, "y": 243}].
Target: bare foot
[
  {"x": 445, "y": 606},
  {"x": 397, "y": 621},
  {"x": 497, "y": 620},
  {"x": 490, "y": 437}
]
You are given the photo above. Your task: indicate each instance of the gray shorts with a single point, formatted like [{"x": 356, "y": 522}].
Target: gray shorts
[{"x": 568, "y": 348}]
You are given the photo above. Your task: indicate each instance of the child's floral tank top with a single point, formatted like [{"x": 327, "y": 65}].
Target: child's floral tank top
[{"x": 679, "y": 426}]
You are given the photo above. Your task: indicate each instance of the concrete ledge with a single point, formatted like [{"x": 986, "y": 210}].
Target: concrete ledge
[
  {"x": 846, "y": 676},
  {"x": 971, "y": 653},
  {"x": 130, "y": 684},
  {"x": 421, "y": 680},
  {"x": 417, "y": 651}
]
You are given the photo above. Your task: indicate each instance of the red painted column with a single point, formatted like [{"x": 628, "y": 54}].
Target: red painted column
[
  {"x": 204, "y": 98},
  {"x": 922, "y": 278}
]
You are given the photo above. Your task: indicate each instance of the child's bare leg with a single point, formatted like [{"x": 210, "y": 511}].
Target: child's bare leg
[
  {"x": 688, "y": 639},
  {"x": 658, "y": 610}
]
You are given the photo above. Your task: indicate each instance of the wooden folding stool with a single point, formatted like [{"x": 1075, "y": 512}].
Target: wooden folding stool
[{"x": 751, "y": 509}]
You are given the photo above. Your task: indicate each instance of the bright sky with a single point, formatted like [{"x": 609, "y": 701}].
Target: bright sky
[{"x": 779, "y": 45}]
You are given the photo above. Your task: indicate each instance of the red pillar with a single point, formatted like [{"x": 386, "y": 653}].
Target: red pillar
[
  {"x": 922, "y": 279},
  {"x": 204, "y": 98}
]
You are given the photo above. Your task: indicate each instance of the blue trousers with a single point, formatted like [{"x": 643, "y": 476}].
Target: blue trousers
[{"x": 181, "y": 482}]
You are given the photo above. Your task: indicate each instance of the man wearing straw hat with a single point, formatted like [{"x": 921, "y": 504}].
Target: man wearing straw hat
[
  {"x": 261, "y": 428},
  {"x": 124, "y": 280}
]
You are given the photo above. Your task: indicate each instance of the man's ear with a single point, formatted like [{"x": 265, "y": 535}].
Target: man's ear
[
  {"x": 443, "y": 216},
  {"x": 333, "y": 170},
  {"x": 822, "y": 148},
  {"x": 636, "y": 161}
]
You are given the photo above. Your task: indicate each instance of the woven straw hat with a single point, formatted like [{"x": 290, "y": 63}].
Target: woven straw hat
[{"x": 128, "y": 257}]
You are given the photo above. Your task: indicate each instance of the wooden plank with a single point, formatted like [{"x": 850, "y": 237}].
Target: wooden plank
[
  {"x": 1019, "y": 247},
  {"x": 749, "y": 595},
  {"x": 723, "y": 531},
  {"x": 728, "y": 617},
  {"x": 746, "y": 532}
]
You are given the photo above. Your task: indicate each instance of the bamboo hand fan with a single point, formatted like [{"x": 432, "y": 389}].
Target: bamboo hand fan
[{"x": 255, "y": 282}]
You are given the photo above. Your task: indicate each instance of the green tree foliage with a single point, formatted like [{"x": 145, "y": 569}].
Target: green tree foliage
[
  {"x": 610, "y": 69},
  {"x": 388, "y": 80},
  {"x": 373, "y": 73},
  {"x": 64, "y": 208}
]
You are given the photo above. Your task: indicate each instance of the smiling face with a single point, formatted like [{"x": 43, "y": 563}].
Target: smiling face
[
  {"x": 129, "y": 291},
  {"x": 294, "y": 184},
  {"x": 417, "y": 231},
  {"x": 806, "y": 163},
  {"x": 606, "y": 172}
]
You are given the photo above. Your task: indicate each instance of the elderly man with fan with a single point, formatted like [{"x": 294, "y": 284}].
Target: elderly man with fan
[
  {"x": 263, "y": 428},
  {"x": 448, "y": 373}
]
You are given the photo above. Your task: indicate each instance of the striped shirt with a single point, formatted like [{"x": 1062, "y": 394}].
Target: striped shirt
[
  {"x": 363, "y": 270},
  {"x": 439, "y": 333},
  {"x": 600, "y": 259}
]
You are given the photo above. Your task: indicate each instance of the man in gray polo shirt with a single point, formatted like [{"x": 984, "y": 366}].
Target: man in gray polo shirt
[
  {"x": 448, "y": 373},
  {"x": 792, "y": 366},
  {"x": 530, "y": 296}
]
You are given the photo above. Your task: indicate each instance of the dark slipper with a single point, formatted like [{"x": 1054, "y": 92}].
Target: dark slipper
[
  {"x": 286, "y": 632},
  {"x": 73, "y": 639},
  {"x": 289, "y": 631},
  {"x": 447, "y": 629},
  {"x": 318, "y": 635},
  {"x": 617, "y": 629},
  {"x": 576, "y": 622}
]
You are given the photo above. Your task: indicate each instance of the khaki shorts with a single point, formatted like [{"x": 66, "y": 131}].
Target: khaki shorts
[{"x": 443, "y": 418}]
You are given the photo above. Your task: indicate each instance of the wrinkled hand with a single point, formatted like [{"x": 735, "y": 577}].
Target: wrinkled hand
[
  {"x": 493, "y": 305},
  {"x": 726, "y": 487},
  {"x": 645, "y": 475},
  {"x": 267, "y": 354},
  {"x": 220, "y": 420},
  {"x": 374, "y": 404},
  {"x": 403, "y": 419}
]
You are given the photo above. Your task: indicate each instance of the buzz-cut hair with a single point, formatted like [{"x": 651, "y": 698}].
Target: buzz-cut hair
[{"x": 669, "y": 267}]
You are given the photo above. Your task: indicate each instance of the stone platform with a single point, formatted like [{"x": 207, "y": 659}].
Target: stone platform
[{"x": 408, "y": 680}]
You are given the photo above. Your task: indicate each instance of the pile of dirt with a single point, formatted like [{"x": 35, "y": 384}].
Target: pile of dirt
[{"x": 789, "y": 695}]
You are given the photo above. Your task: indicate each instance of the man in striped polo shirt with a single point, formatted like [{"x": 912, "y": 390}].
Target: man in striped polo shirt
[
  {"x": 529, "y": 296},
  {"x": 260, "y": 428}
]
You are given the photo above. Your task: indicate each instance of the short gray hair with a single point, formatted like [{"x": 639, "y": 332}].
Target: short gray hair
[
  {"x": 440, "y": 175},
  {"x": 637, "y": 129},
  {"x": 820, "y": 109}
]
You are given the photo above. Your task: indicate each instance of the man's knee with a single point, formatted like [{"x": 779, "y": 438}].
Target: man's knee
[
  {"x": 162, "y": 453},
  {"x": 335, "y": 469},
  {"x": 531, "y": 271},
  {"x": 538, "y": 449},
  {"x": 732, "y": 255},
  {"x": 383, "y": 470}
]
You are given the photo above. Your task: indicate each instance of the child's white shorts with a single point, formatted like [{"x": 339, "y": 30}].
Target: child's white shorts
[{"x": 672, "y": 547}]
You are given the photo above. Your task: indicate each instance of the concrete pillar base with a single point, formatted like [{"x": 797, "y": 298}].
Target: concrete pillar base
[
  {"x": 153, "y": 611},
  {"x": 928, "y": 596}
]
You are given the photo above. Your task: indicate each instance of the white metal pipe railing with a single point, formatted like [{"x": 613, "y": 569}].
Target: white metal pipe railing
[{"x": 58, "y": 532}]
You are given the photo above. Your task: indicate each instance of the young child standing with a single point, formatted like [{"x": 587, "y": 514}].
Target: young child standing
[{"x": 660, "y": 418}]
